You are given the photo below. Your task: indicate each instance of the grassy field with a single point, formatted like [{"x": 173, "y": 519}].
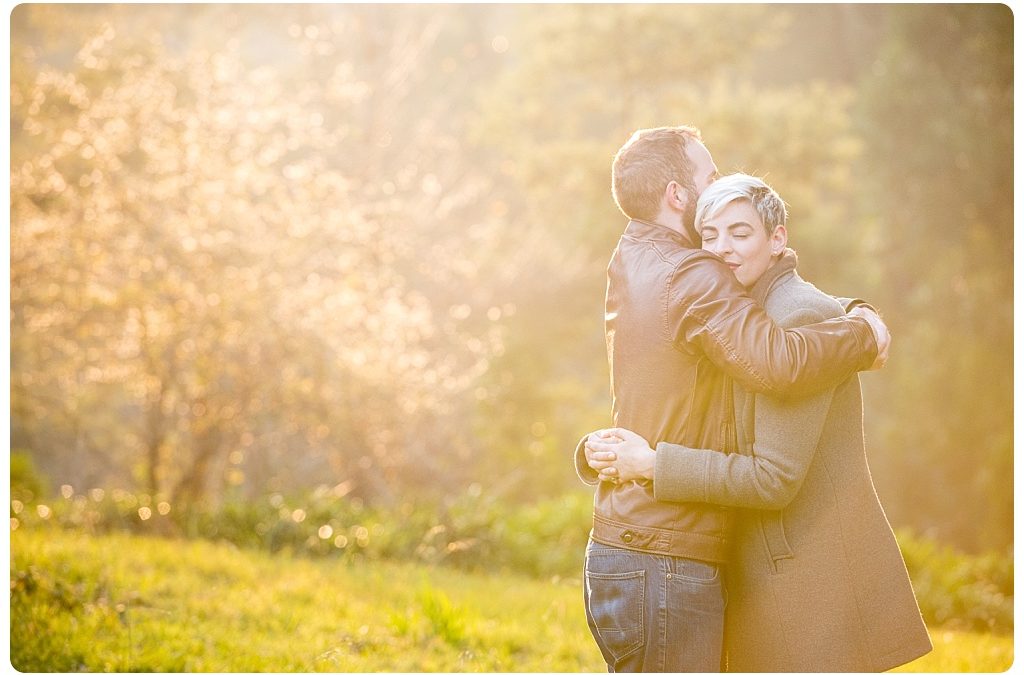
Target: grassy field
[{"x": 123, "y": 603}]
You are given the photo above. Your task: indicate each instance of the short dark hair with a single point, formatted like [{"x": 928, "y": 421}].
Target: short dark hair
[{"x": 650, "y": 160}]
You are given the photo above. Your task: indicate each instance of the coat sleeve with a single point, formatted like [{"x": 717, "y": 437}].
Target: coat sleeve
[
  {"x": 849, "y": 303},
  {"x": 786, "y": 435},
  {"x": 583, "y": 470},
  {"x": 710, "y": 312}
]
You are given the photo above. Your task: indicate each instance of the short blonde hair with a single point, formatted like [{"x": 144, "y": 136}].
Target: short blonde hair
[
  {"x": 646, "y": 163},
  {"x": 727, "y": 189}
]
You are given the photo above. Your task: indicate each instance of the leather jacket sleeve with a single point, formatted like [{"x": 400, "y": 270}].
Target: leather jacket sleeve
[
  {"x": 769, "y": 471},
  {"x": 583, "y": 470},
  {"x": 708, "y": 311}
]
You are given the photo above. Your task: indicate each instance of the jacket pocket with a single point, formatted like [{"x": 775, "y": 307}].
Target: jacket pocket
[
  {"x": 773, "y": 532},
  {"x": 615, "y": 601}
]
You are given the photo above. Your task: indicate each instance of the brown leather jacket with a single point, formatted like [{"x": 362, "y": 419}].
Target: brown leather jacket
[{"x": 678, "y": 325}]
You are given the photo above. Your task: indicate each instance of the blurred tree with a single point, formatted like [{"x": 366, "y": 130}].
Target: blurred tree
[
  {"x": 937, "y": 214},
  {"x": 366, "y": 245},
  {"x": 228, "y": 261}
]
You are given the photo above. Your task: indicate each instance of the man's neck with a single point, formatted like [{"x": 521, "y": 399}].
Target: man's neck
[
  {"x": 673, "y": 221},
  {"x": 670, "y": 220}
]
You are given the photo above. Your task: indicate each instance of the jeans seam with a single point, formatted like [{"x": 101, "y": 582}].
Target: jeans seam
[{"x": 663, "y": 617}]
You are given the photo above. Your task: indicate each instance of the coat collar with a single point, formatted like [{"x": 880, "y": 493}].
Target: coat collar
[
  {"x": 645, "y": 229},
  {"x": 783, "y": 268}
]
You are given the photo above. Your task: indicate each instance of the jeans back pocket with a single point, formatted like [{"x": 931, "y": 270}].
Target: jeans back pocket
[{"x": 615, "y": 601}]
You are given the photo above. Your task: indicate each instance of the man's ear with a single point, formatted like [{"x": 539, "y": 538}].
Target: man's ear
[
  {"x": 676, "y": 195},
  {"x": 779, "y": 238}
]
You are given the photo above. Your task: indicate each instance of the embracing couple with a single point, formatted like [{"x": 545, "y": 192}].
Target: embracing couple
[{"x": 735, "y": 522}]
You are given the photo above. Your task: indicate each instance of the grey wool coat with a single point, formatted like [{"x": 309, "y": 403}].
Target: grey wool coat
[{"x": 816, "y": 581}]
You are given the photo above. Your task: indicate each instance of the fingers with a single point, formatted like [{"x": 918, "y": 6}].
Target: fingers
[
  {"x": 884, "y": 338},
  {"x": 883, "y": 356},
  {"x": 592, "y": 445},
  {"x": 600, "y": 460},
  {"x": 601, "y": 451},
  {"x": 603, "y": 456},
  {"x": 883, "y": 349},
  {"x": 627, "y": 435},
  {"x": 607, "y": 435},
  {"x": 881, "y": 333}
]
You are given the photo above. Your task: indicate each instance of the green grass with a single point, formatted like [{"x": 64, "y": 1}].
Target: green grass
[
  {"x": 119, "y": 602},
  {"x": 959, "y": 652},
  {"x": 129, "y": 603}
]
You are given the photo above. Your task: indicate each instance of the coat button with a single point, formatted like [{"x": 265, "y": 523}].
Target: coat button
[{"x": 627, "y": 537}]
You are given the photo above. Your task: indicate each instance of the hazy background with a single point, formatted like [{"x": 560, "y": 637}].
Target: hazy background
[{"x": 260, "y": 249}]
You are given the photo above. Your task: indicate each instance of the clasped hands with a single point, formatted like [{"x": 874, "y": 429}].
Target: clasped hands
[{"x": 619, "y": 455}]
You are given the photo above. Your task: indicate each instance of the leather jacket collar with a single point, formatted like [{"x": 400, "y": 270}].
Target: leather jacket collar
[{"x": 644, "y": 229}]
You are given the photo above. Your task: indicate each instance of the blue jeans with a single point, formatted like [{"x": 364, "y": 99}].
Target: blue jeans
[{"x": 654, "y": 613}]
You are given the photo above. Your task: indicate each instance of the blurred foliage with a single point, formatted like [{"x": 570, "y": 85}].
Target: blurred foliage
[
  {"x": 27, "y": 484},
  {"x": 218, "y": 268},
  {"x": 365, "y": 245},
  {"x": 960, "y": 591},
  {"x": 471, "y": 532},
  {"x": 940, "y": 212}
]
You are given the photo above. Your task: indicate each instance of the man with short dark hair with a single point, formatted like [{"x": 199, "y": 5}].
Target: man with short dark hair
[{"x": 678, "y": 325}]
